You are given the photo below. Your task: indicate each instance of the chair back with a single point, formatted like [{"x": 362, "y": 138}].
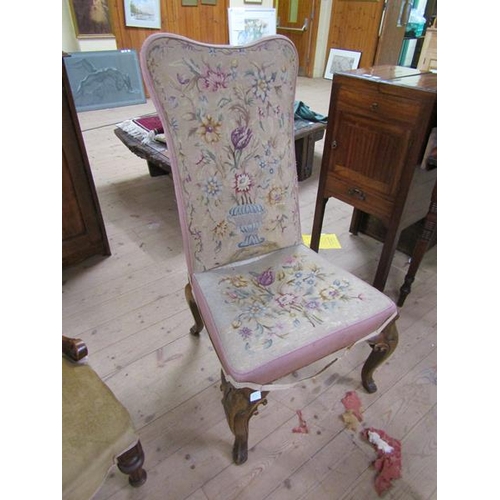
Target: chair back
[{"x": 228, "y": 118}]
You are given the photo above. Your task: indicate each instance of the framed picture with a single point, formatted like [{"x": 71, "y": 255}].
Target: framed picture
[
  {"x": 341, "y": 60},
  {"x": 190, "y": 3},
  {"x": 209, "y": 2},
  {"x": 91, "y": 18},
  {"x": 249, "y": 24},
  {"x": 104, "y": 79},
  {"x": 143, "y": 13}
]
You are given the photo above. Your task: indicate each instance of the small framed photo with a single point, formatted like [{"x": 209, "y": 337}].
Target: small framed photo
[
  {"x": 341, "y": 60},
  {"x": 143, "y": 14}
]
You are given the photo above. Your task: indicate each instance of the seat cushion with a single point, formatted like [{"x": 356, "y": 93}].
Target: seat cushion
[
  {"x": 276, "y": 313},
  {"x": 96, "y": 428}
]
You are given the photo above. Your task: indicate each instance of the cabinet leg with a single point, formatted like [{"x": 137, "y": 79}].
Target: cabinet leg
[
  {"x": 319, "y": 214},
  {"x": 356, "y": 220},
  {"x": 384, "y": 265}
]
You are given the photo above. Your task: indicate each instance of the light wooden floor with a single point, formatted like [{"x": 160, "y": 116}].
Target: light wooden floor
[{"x": 131, "y": 311}]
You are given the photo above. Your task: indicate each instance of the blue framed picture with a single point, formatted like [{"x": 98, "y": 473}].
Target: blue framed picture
[{"x": 105, "y": 79}]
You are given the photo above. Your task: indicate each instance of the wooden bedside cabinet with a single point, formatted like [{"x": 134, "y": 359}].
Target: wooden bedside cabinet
[{"x": 380, "y": 120}]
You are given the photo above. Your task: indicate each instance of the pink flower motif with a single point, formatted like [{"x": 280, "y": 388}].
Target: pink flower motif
[
  {"x": 242, "y": 183},
  {"x": 214, "y": 80},
  {"x": 286, "y": 300}
]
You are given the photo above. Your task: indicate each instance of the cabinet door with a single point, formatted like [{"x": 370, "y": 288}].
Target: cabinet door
[{"x": 367, "y": 158}]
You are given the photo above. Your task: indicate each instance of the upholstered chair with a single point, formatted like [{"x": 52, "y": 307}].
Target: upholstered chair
[
  {"x": 270, "y": 304},
  {"x": 97, "y": 431}
]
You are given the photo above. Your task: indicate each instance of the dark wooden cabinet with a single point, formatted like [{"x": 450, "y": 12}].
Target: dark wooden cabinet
[
  {"x": 83, "y": 231},
  {"x": 380, "y": 120}
]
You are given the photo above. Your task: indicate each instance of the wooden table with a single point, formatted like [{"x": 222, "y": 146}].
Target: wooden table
[
  {"x": 380, "y": 121},
  {"x": 307, "y": 133}
]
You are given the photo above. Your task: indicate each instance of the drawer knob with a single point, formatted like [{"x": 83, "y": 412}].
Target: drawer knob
[
  {"x": 374, "y": 106},
  {"x": 356, "y": 192},
  {"x": 334, "y": 145}
]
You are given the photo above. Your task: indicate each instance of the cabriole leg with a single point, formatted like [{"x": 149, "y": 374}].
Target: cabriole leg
[
  {"x": 198, "y": 326},
  {"x": 239, "y": 409},
  {"x": 382, "y": 347}
]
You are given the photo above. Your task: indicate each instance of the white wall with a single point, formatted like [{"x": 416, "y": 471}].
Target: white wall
[{"x": 322, "y": 40}]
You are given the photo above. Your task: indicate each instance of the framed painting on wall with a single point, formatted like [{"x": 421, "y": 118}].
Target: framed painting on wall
[
  {"x": 249, "y": 24},
  {"x": 142, "y": 13},
  {"x": 341, "y": 60},
  {"x": 91, "y": 18}
]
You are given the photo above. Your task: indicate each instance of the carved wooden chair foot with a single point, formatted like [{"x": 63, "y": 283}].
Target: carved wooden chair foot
[
  {"x": 382, "y": 347},
  {"x": 198, "y": 326},
  {"x": 270, "y": 305},
  {"x": 131, "y": 463},
  {"x": 239, "y": 408}
]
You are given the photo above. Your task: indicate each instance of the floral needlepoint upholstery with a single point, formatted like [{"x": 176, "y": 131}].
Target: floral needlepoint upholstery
[
  {"x": 270, "y": 304},
  {"x": 282, "y": 308},
  {"x": 231, "y": 120}
]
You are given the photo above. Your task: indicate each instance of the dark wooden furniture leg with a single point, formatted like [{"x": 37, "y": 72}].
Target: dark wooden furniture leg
[
  {"x": 384, "y": 264},
  {"x": 199, "y": 325},
  {"x": 356, "y": 219},
  {"x": 239, "y": 409},
  {"x": 155, "y": 170},
  {"x": 382, "y": 347},
  {"x": 421, "y": 246},
  {"x": 319, "y": 215},
  {"x": 131, "y": 462}
]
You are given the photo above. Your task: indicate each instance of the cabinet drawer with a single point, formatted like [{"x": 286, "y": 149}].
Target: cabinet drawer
[
  {"x": 373, "y": 103},
  {"x": 359, "y": 197}
]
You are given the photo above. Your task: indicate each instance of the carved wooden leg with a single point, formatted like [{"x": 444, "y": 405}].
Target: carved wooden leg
[
  {"x": 239, "y": 409},
  {"x": 198, "y": 326},
  {"x": 130, "y": 463},
  {"x": 421, "y": 246},
  {"x": 382, "y": 347}
]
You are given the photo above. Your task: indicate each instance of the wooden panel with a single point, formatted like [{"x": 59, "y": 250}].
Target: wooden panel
[
  {"x": 392, "y": 32},
  {"x": 206, "y": 23},
  {"x": 354, "y": 25},
  {"x": 428, "y": 56},
  {"x": 304, "y": 41}
]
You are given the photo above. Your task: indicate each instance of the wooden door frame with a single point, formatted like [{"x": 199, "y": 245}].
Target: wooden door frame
[{"x": 313, "y": 36}]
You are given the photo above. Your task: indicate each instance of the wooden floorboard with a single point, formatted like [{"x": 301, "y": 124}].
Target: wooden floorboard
[{"x": 130, "y": 310}]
